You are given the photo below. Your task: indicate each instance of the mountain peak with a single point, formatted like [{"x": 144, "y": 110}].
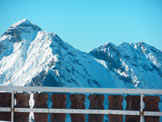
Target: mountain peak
[
  {"x": 24, "y": 24},
  {"x": 21, "y": 22},
  {"x": 108, "y": 44},
  {"x": 23, "y": 29}
]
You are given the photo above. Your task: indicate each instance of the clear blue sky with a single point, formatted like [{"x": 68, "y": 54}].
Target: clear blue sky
[{"x": 87, "y": 24}]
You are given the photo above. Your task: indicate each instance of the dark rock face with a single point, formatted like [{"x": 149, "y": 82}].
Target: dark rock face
[
  {"x": 77, "y": 102},
  {"x": 5, "y": 101},
  {"x": 58, "y": 101},
  {"x": 22, "y": 101},
  {"x": 112, "y": 62},
  {"x": 115, "y": 103},
  {"x": 96, "y": 102},
  {"x": 40, "y": 101},
  {"x": 151, "y": 104},
  {"x": 112, "y": 56},
  {"x": 133, "y": 103}
]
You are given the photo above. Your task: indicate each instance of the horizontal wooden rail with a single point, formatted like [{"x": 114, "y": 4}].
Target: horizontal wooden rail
[
  {"x": 81, "y": 90},
  {"x": 80, "y": 111}
]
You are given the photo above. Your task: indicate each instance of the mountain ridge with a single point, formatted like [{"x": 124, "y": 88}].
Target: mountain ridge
[
  {"x": 127, "y": 57},
  {"x": 31, "y": 56}
]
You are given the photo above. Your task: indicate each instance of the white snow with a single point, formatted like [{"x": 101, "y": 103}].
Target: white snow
[
  {"x": 132, "y": 64},
  {"x": 154, "y": 60},
  {"x": 27, "y": 60},
  {"x": 20, "y": 22},
  {"x": 143, "y": 49},
  {"x": 122, "y": 73},
  {"x": 39, "y": 51},
  {"x": 134, "y": 78},
  {"x": 135, "y": 46},
  {"x": 101, "y": 62}
]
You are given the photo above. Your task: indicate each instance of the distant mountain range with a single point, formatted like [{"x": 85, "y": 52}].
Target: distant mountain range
[{"x": 30, "y": 56}]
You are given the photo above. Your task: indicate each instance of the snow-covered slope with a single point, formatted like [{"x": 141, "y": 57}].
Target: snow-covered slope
[
  {"x": 30, "y": 56},
  {"x": 134, "y": 65}
]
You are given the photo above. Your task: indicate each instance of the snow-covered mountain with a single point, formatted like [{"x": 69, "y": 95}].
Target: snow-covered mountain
[
  {"x": 31, "y": 56},
  {"x": 136, "y": 65}
]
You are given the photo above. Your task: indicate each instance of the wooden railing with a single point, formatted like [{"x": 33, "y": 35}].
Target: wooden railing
[{"x": 141, "y": 104}]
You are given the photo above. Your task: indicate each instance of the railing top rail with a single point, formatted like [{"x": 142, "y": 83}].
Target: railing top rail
[{"x": 81, "y": 90}]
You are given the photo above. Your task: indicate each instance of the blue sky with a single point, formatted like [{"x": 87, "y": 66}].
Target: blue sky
[{"x": 87, "y": 24}]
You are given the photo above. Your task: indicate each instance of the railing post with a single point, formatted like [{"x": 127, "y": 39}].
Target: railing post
[
  {"x": 133, "y": 104},
  {"x": 40, "y": 101},
  {"x": 115, "y": 103},
  {"x": 58, "y": 101},
  {"x": 152, "y": 105},
  {"x": 12, "y": 107},
  {"x": 77, "y": 102},
  {"x": 22, "y": 101},
  {"x": 96, "y": 102},
  {"x": 141, "y": 108}
]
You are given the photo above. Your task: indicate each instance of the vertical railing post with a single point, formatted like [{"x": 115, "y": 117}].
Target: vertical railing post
[
  {"x": 141, "y": 108},
  {"x": 133, "y": 104},
  {"x": 12, "y": 107}
]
